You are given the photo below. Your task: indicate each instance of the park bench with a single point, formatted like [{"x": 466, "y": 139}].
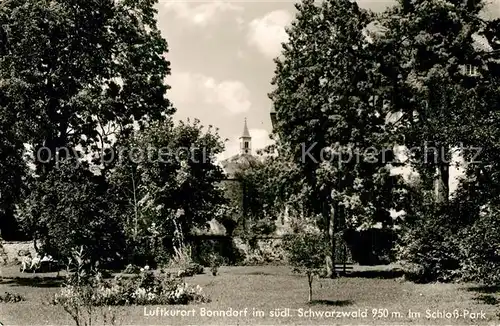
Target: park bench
[{"x": 343, "y": 267}]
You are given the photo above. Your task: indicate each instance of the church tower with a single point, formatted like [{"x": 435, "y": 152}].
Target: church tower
[{"x": 245, "y": 141}]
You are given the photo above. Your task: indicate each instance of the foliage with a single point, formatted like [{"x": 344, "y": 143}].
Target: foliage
[
  {"x": 480, "y": 249},
  {"x": 95, "y": 70},
  {"x": 423, "y": 50},
  {"x": 174, "y": 188},
  {"x": 77, "y": 296},
  {"x": 147, "y": 288},
  {"x": 119, "y": 77},
  {"x": 214, "y": 262},
  {"x": 306, "y": 253},
  {"x": 221, "y": 246},
  {"x": 429, "y": 253},
  {"x": 259, "y": 193},
  {"x": 11, "y": 298},
  {"x": 131, "y": 269},
  {"x": 85, "y": 292},
  {"x": 251, "y": 197},
  {"x": 331, "y": 119},
  {"x": 55, "y": 213},
  {"x": 343, "y": 85},
  {"x": 13, "y": 170},
  {"x": 183, "y": 258}
]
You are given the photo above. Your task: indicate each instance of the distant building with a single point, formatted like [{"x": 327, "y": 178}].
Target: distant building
[{"x": 244, "y": 159}]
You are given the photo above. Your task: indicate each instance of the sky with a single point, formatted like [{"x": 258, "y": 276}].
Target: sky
[{"x": 221, "y": 55}]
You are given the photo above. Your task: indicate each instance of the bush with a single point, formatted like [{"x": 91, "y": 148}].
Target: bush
[
  {"x": 452, "y": 246},
  {"x": 146, "y": 249},
  {"x": 428, "y": 252},
  {"x": 131, "y": 269},
  {"x": 55, "y": 202},
  {"x": 215, "y": 261},
  {"x": 86, "y": 288},
  {"x": 11, "y": 298},
  {"x": 146, "y": 288},
  {"x": 183, "y": 259},
  {"x": 191, "y": 270},
  {"x": 480, "y": 249}
]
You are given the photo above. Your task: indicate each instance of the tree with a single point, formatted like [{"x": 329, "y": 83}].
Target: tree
[
  {"x": 70, "y": 67},
  {"x": 306, "y": 253},
  {"x": 69, "y": 210},
  {"x": 166, "y": 177},
  {"x": 13, "y": 172},
  {"x": 425, "y": 47},
  {"x": 331, "y": 118},
  {"x": 72, "y": 73},
  {"x": 423, "y": 52}
]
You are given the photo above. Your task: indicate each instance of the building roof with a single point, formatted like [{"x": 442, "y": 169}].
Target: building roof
[{"x": 237, "y": 163}]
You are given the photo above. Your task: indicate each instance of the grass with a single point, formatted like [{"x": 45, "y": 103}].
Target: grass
[{"x": 268, "y": 288}]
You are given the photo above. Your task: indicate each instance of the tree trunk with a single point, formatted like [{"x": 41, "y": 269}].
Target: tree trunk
[
  {"x": 309, "y": 281},
  {"x": 135, "y": 205},
  {"x": 328, "y": 218},
  {"x": 442, "y": 178},
  {"x": 330, "y": 215},
  {"x": 332, "y": 230}
]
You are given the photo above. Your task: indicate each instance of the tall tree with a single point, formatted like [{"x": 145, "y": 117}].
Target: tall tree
[
  {"x": 443, "y": 76},
  {"x": 70, "y": 70},
  {"x": 331, "y": 118},
  {"x": 427, "y": 46},
  {"x": 69, "y": 67}
]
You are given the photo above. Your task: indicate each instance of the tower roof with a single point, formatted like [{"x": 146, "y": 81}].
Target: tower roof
[{"x": 245, "y": 134}]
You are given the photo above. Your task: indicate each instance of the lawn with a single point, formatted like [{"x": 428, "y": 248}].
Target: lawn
[{"x": 376, "y": 290}]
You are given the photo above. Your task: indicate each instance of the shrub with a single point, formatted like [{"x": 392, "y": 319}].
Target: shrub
[
  {"x": 428, "y": 252},
  {"x": 55, "y": 202},
  {"x": 86, "y": 288},
  {"x": 131, "y": 269},
  {"x": 215, "y": 261},
  {"x": 191, "y": 270},
  {"x": 480, "y": 249},
  {"x": 263, "y": 227},
  {"x": 77, "y": 295},
  {"x": 182, "y": 257},
  {"x": 147, "y": 288},
  {"x": 11, "y": 298},
  {"x": 306, "y": 253}
]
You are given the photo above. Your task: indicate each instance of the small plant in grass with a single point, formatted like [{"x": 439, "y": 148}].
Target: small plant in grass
[
  {"x": 306, "y": 253},
  {"x": 215, "y": 261},
  {"x": 182, "y": 256},
  {"x": 11, "y": 298},
  {"x": 183, "y": 260}
]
